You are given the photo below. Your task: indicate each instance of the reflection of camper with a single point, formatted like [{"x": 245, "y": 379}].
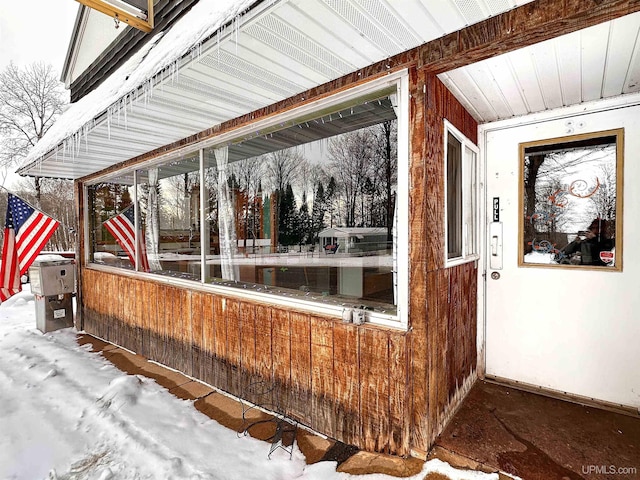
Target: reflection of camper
[{"x": 353, "y": 240}]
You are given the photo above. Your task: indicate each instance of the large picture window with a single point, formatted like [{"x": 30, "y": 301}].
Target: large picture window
[
  {"x": 305, "y": 208},
  {"x": 569, "y": 201}
]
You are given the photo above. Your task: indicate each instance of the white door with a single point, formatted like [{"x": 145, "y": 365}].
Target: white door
[{"x": 570, "y": 328}]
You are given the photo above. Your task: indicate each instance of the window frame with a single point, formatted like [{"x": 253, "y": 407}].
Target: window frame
[
  {"x": 470, "y": 199},
  {"x": 399, "y": 319}
]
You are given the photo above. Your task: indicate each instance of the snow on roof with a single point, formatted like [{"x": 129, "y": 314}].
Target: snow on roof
[{"x": 159, "y": 55}]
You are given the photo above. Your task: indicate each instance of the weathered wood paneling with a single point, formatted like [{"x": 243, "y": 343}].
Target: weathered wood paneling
[
  {"x": 322, "y": 372},
  {"x": 418, "y": 229},
  {"x": 319, "y": 366},
  {"x": 374, "y": 389},
  {"x": 300, "y": 367},
  {"x": 346, "y": 366},
  {"x": 442, "y": 304}
]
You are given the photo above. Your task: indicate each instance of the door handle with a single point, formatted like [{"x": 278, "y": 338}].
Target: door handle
[{"x": 495, "y": 234}]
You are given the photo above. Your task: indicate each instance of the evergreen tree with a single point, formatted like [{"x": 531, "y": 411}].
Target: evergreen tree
[
  {"x": 317, "y": 213},
  {"x": 288, "y": 222},
  {"x": 304, "y": 220}
]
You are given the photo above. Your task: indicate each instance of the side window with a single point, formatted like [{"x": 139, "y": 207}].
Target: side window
[{"x": 461, "y": 194}]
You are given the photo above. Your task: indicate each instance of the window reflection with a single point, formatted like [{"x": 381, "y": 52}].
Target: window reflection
[
  {"x": 569, "y": 200},
  {"x": 306, "y": 209}
]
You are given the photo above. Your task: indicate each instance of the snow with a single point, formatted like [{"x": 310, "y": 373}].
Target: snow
[
  {"x": 160, "y": 54},
  {"x": 66, "y": 413}
]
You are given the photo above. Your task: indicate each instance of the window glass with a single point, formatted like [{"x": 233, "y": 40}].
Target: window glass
[
  {"x": 461, "y": 196},
  {"x": 169, "y": 197},
  {"x": 569, "y": 204},
  {"x": 111, "y": 219},
  {"x": 308, "y": 210},
  {"x": 454, "y": 197},
  {"x": 304, "y": 209}
]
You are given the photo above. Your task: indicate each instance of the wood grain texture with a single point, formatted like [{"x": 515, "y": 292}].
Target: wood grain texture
[
  {"x": 523, "y": 26},
  {"x": 322, "y": 371},
  {"x": 346, "y": 366},
  {"x": 374, "y": 389}
]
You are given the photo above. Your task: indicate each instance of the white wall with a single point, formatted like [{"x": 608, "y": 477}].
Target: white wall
[
  {"x": 97, "y": 31},
  {"x": 573, "y": 331}
]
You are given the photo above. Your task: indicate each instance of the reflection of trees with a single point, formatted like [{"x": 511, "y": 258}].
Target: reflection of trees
[
  {"x": 351, "y": 156},
  {"x": 247, "y": 190},
  {"x": 559, "y": 190},
  {"x": 364, "y": 163},
  {"x": 604, "y": 200}
]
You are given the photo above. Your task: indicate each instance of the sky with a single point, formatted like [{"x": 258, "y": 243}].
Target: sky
[
  {"x": 66, "y": 413},
  {"x": 36, "y": 30}
]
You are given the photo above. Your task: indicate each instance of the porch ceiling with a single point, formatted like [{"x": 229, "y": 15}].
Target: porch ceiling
[
  {"x": 598, "y": 62},
  {"x": 285, "y": 47}
]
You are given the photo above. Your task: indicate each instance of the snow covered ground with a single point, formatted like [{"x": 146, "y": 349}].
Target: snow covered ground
[{"x": 66, "y": 413}]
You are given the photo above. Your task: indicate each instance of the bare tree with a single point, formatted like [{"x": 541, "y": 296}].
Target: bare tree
[
  {"x": 30, "y": 101},
  {"x": 283, "y": 167},
  {"x": 249, "y": 172},
  {"x": 352, "y": 157}
]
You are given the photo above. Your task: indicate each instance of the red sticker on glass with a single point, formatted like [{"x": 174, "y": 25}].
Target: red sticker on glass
[{"x": 607, "y": 257}]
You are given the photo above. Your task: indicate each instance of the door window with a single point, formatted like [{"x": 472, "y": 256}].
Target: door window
[{"x": 569, "y": 202}]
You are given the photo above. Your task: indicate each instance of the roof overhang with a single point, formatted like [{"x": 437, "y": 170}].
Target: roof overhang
[{"x": 227, "y": 59}]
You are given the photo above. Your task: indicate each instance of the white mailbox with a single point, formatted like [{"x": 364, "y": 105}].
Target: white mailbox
[{"x": 52, "y": 277}]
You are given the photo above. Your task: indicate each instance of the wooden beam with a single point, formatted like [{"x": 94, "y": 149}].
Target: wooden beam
[
  {"x": 146, "y": 25},
  {"x": 526, "y": 25}
]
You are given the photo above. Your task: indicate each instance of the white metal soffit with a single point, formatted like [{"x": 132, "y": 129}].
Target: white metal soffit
[
  {"x": 270, "y": 53},
  {"x": 598, "y": 62}
]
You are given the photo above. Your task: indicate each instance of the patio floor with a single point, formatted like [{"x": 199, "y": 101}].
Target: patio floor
[
  {"x": 496, "y": 429},
  {"x": 536, "y": 437}
]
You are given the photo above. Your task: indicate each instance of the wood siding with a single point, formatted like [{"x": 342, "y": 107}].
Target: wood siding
[{"x": 345, "y": 380}]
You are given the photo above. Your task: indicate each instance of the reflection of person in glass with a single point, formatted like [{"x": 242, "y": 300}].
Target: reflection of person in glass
[{"x": 588, "y": 244}]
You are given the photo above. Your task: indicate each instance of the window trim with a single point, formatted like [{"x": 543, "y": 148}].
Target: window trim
[
  {"x": 465, "y": 143},
  {"x": 400, "y": 319}
]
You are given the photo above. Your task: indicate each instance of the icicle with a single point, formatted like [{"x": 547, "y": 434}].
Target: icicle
[
  {"x": 125, "y": 113},
  {"x": 109, "y": 111},
  {"x": 218, "y": 44},
  {"x": 236, "y": 21}
]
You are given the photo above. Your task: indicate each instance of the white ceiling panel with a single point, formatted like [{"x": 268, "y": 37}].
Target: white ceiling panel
[
  {"x": 569, "y": 53},
  {"x": 471, "y": 95},
  {"x": 594, "y": 57},
  {"x": 599, "y": 62},
  {"x": 623, "y": 40},
  {"x": 524, "y": 71}
]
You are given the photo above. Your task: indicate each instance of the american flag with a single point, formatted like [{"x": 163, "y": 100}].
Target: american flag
[
  {"x": 26, "y": 231},
  {"x": 122, "y": 228}
]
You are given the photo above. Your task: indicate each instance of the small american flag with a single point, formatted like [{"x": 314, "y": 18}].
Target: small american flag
[
  {"x": 122, "y": 228},
  {"x": 26, "y": 232}
]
